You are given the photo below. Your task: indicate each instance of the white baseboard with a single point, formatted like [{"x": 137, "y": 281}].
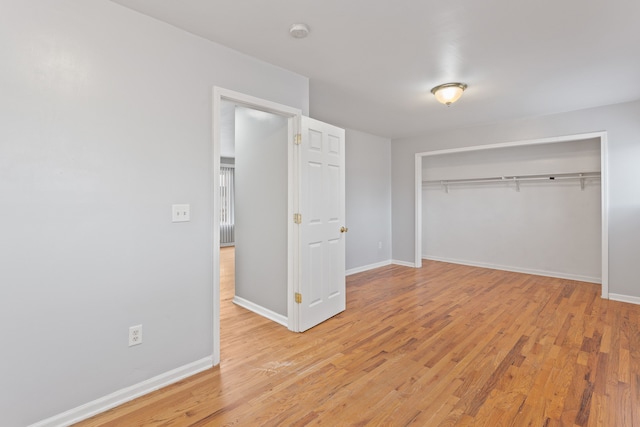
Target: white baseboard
[
  {"x": 624, "y": 298},
  {"x": 535, "y": 272},
  {"x": 264, "y": 312},
  {"x": 124, "y": 395},
  {"x": 367, "y": 267},
  {"x": 403, "y": 263}
]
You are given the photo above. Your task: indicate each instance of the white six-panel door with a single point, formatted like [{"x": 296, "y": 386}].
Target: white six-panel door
[{"x": 322, "y": 230}]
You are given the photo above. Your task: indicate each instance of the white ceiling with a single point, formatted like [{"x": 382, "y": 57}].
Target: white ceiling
[{"x": 371, "y": 63}]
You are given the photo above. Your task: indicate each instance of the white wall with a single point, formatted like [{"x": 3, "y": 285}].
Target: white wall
[
  {"x": 623, "y": 130},
  {"x": 261, "y": 218},
  {"x": 227, "y": 129},
  {"x": 105, "y": 122},
  {"x": 548, "y": 227},
  {"x": 368, "y": 200}
]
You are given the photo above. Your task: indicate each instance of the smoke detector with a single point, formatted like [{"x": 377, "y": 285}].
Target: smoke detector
[{"x": 299, "y": 31}]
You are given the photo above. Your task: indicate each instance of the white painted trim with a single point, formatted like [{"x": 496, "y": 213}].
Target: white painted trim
[
  {"x": 403, "y": 263},
  {"x": 124, "y": 395},
  {"x": 625, "y": 298},
  {"x": 293, "y": 206},
  {"x": 367, "y": 267},
  {"x": 418, "y": 216},
  {"x": 258, "y": 309},
  {"x": 565, "y": 138},
  {"x": 532, "y": 271},
  {"x": 604, "y": 162},
  {"x": 215, "y": 202},
  {"x": 604, "y": 179},
  {"x": 294, "y": 117}
]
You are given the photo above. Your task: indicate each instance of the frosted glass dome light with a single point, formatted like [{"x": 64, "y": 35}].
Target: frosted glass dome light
[{"x": 448, "y": 93}]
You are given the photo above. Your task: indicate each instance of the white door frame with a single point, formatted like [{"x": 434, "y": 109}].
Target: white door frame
[
  {"x": 604, "y": 194},
  {"x": 294, "y": 117}
]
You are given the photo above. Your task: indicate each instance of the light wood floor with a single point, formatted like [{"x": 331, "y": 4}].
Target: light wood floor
[{"x": 445, "y": 345}]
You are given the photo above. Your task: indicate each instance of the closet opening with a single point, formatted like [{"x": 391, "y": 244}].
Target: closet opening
[{"x": 537, "y": 207}]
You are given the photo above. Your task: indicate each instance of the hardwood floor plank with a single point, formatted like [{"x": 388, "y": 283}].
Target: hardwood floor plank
[
  {"x": 511, "y": 358},
  {"x": 444, "y": 345}
]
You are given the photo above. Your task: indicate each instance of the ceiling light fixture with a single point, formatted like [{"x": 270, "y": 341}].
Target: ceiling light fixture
[
  {"x": 299, "y": 31},
  {"x": 448, "y": 93}
]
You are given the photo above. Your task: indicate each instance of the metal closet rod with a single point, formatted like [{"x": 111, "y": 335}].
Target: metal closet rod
[{"x": 517, "y": 178}]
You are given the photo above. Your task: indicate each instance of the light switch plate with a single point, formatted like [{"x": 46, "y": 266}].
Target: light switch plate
[{"x": 180, "y": 213}]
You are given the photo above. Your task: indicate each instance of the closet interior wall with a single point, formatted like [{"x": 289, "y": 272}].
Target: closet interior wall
[{"x": 551, "y": 228}]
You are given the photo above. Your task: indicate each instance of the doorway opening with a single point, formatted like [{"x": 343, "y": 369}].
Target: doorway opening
[{"x": 290, "y": 117}]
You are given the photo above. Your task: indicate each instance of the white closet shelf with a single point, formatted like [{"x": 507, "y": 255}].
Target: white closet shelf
[{"x": 582, "y": 176}]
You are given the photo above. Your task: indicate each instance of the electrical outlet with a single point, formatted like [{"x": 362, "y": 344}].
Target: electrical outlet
[
  {"x": 180, "y": 213},
  {"x": 379, "y": 245},
  {"x": 135, "y": 335}
]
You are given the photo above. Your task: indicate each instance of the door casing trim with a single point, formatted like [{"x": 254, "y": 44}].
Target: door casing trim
[{"x": 293, "y": 116}]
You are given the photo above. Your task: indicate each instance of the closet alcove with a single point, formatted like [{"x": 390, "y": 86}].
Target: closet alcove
[{"x": 531, "y": 208}]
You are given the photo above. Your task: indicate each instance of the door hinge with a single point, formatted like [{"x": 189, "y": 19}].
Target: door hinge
[
  {"x": 297, "y": 218},
  {"x": 298, "y": 298},
  {"x": 297, "y": 140}
]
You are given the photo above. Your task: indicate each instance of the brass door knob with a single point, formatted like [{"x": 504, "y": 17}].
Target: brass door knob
[{"x": 343, "y": 229}]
